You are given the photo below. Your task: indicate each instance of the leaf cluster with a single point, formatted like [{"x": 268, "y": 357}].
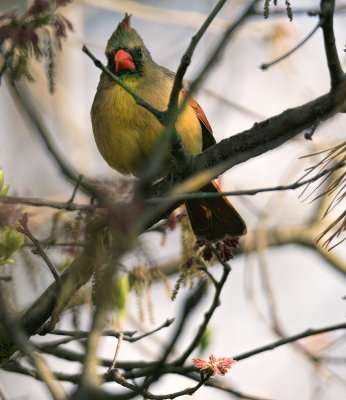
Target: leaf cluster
[
  {"x": 11, "y": 242},
  {"x": 37, "y": 33}
]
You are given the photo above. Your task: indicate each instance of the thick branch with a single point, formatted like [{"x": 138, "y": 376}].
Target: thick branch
[
  {"x": 326, "y": 19},
  {"x": 262, "y": 137}
]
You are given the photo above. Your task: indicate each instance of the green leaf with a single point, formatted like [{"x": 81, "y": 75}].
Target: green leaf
[
  {"x": 13, "y": 240},
  {"x": 3, "y": 191},
  {"x": 204, "y": 342},
  {"x": 121, "y": 293}
]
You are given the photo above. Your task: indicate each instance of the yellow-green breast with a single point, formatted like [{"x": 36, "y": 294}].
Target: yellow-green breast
[{"x": 126, "y": 133}]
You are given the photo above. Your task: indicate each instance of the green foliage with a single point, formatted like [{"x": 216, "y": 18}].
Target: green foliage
[
  {"x": 205, "y": 340},
  {"x": 121, "y": 293},
  {"x": 3, "y": 190},
  {"x": 11, "y": 242}
]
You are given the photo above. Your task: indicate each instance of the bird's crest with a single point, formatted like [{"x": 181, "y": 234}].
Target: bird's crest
[{"x": 125, "y": 24}]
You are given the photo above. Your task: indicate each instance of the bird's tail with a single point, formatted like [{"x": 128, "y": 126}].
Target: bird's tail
[{"x": 213, "y": 218}]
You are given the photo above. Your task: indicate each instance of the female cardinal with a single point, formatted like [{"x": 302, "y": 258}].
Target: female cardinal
[{"x": 126, "y": 134}]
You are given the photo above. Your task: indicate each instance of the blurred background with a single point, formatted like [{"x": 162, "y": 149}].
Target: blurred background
[{"x": 272, "y": 290}]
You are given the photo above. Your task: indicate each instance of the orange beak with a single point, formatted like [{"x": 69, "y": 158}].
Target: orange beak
[{"x": 123, "y": 60}]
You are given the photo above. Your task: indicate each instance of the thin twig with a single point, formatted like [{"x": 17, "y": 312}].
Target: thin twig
[
  {"x": 128, "y": 336},
  {"x": 214, "y": 56},
  {"x": 39, "y": 249},
  {"x": 217, "y": 384},
  {"x": 187, "y": 56},
  {"x": 190, "y": 303},
  {"x": 70, "y": 201},
  {"x": 167, "y": 323},
  {"x": 250, "y": 192},
  {"x": 120, "y": 339},
  {"x": 290, "y": 339},
  {"x": 208, "y": 314},
  {"x": 147, "y": 395},
  {"x": 265, "y": 66}
]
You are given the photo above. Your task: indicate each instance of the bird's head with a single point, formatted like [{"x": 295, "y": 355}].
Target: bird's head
[{"x": 125, "y": 51}]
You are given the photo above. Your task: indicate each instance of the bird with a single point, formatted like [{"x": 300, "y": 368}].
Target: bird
[{"x": 126, "y": 134}]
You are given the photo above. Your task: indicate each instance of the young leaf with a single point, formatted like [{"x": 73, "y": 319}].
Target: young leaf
[{"x": 12, "y": 241}]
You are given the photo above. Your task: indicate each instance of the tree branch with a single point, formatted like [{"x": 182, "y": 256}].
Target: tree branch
[
  {"x": 290, "y": 339},
  {"x": 262, "y": 137},
  {"x": 24, "y": 102},
  {"x": 326, "y": 21},
  {"x": 186, "y": 58}
]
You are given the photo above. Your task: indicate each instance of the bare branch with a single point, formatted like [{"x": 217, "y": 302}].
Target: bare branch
[
  {"x": 186, "y": 58},
  {"x": 262, "y": 137},
  {"x": 265, "y": 66},
  {"x": 208, "y": 314},
  {"x": 252, "y": 192},
  {"x": 26, "y": 231},
  {"x": 120, "y": 339},
  {"x": 281, "y": 342},
  {"x": 214, "y": 56},
  {"x": 24, "y": 102},
  {"x": 18, "y": 337},
  {"x": 147, "y": 395},
  {"x": 37, "y": 202}
]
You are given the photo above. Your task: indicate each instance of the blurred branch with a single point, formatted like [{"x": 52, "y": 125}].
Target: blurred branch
[
  {"x": 326, "y": 21},
  {"x": 37, "y": 202},
  {"x": 187, "y": 18},
  {"x": 75, "y": 276},
  {"x": 24, "y": 102},
  {"x": 147, "y": 12},
  {"x": 3, "y": 395},
  {"x": 16, "y": 334},
  {"x": 215, "y": 54},
  {"x": 147, "y": 395},
  {"x": 14, "y": 366},
  {"x": 208, "y": 314},
  {"x": 303, "y": 235},
  {"x": 217, "y": 384},
  {"x": 126, "y": 335},
  {"x": 232, "y": 104},
  {"x": 24, "y": 229}
]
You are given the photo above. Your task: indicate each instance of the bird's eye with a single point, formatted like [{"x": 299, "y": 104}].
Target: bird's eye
[{"x": 139, "y": 52}]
